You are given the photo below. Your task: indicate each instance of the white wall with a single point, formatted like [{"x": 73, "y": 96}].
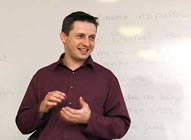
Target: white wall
[{"x": 145, "y": 43}]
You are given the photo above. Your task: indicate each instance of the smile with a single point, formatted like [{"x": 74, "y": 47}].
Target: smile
[{"x": 83, "y": 49}]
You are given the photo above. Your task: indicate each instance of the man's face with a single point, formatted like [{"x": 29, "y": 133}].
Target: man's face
[{"x": 80, "y": 42}]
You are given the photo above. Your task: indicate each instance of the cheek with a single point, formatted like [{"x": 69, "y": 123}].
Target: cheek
[
  {"x": 92, "y": 45},
  {"x": 71, "y": 45},
  {"x": 75, "y": 43}
]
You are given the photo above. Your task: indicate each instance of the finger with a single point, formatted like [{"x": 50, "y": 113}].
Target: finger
[
  {"x": 51, "y": 104},
  {"x": 54, "y": 99},
  {"x": 65, "y": 117},
  {"x": 68, "y": 116},
  {"x": 82, "y": 102},
  {"x": 73, "y": 111},
  {"x": 58, "y": 95}
]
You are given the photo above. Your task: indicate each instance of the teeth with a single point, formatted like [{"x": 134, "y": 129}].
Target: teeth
[{"x": 83, "y": 49}]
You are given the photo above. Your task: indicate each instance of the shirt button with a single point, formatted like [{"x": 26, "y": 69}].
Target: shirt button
[
  {"x": 70, "y": 103},
  {"x": 71, "y": 86},
  {"x": 73, "y": 72}
]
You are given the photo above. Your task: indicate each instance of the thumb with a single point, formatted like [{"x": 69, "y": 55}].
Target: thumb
[{"x": 82, "y": 102}]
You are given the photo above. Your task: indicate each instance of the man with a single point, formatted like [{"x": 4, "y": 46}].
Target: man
[{"x": 74, "y": 98}]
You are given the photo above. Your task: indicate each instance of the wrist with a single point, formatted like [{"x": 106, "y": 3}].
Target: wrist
[{"x": 42, "y": 109}]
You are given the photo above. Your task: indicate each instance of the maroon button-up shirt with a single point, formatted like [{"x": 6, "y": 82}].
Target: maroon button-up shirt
[{"x": 97, "y": 85}]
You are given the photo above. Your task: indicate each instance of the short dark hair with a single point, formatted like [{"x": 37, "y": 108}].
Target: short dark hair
[{"x": 77, "y": 16}]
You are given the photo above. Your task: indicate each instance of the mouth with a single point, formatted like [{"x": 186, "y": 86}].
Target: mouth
[{"x": 83, "y": 50}]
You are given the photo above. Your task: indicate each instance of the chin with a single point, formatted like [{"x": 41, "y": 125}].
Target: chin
[{"x": 83, "y": 57}]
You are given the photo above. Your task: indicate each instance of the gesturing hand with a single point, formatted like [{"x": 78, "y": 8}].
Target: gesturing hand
[
  {"x": 76, "y": 115},
  {"x": 51, "y": 100}
]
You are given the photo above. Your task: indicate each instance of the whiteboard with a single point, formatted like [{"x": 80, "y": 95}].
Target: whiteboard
[{"x": 147, "y": 45}]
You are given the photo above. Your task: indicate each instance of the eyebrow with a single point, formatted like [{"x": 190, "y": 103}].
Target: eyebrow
[{"x": 85, "y": 34}]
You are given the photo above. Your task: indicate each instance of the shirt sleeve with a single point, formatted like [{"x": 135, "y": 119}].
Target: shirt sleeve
[
  {"x": 28, "y": 117},
  {"x": 115, "y": 121}
]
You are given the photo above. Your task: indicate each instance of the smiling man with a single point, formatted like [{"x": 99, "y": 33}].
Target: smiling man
[
  {"x": 74, "y": 98},
  {"x": 78, "y": 43}
]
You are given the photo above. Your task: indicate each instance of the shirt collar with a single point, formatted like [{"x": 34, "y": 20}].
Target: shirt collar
[{"x": 88, "y": 62}]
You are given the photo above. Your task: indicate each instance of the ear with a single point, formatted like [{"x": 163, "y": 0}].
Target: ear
[{"x": 63, "y": 37}]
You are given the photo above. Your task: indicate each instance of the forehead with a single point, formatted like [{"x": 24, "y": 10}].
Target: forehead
[{"x": 84, "y": 27}]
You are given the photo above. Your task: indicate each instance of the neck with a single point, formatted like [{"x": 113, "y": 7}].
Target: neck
[{"x": 72, "y": 64}]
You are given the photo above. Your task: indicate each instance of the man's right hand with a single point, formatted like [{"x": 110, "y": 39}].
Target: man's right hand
[{"x": 51, "y": 100}]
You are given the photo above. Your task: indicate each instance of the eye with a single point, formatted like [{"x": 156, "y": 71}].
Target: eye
[
  {"x": 80, "y": 35},
  {"x": 92, "y": 38}
]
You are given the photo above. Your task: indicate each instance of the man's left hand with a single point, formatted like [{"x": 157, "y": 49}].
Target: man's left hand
[{"x": 80, "y": 116}]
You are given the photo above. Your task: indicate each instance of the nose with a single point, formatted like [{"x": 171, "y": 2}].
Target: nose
[{"x": 86, "y": 41}]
